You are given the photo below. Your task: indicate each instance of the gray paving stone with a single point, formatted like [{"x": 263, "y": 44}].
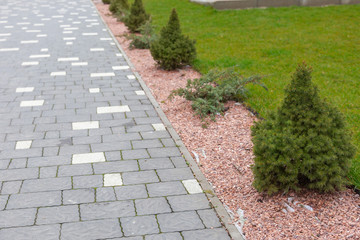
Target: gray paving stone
[
  {"x": 155, "y": 163},
  {"x": 175, "y": 174},
  {"x": 209, "y": 234},
  {"x": 19, "y": 217},
  {"x": 61, "y": 214},
  {"x": 46, "y": 232},
  {"x": 155, "y": 135},
  {"x": 49, "y": 161},
  {"x": 103, "y": 210},
  {"x": 139, "y": 177},
  {"x": 168, "y": 142},
  {"x": 165, "y": 189},
  {"x": 105, "y": 194},
  {"x": 11, "y": 187},
  {"x": 48, "y": 184},
  {"x": 4, "y": 163},
  {"x": 3, "y": 201},
  {"x": 74, "y": 170},
  {"x": 141, "y": 225},
  {"x": 172, "y": 222},
  {"x": 18, "y": 163},
  {"x": 164, "y": 236},
  {"x": 103, "y": 147},
  {"x": 40, "y": 199},
  {"x": 121, "y": 137},
  {"x": 164, "y": 152},
  {"x": 179, "y": 162},
  {"x": 131, "y": 192},
  {"x": 151, "y": 206},
  {"x": 189, "y": 202},
  {"x": 113, "y": 156},
  {"x": 48, "y": 172},
  {"x": 78, "y": 196},
  {"x": 153, "y": 143},
  {"x": 118, "y": 166},
  {"x": 19, "y": 174},
  {"x": 135, "y": 154},
  {"x": 209, "y": 218},
  {"x": 91, "y": 230},
  {"x": 91, "y": 181}
]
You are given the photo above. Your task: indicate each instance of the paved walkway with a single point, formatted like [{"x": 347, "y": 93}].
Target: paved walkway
[{"x": 83, "y": 153}]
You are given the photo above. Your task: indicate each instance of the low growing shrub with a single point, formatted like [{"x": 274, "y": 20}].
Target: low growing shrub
[
  {"x": 173, "y": 49},
  {"x": 136, "y": 17},
  {"x": 304, "y": 144},
  {"x": 144, "y": 40},
  {"x": 209, "y": 93}
]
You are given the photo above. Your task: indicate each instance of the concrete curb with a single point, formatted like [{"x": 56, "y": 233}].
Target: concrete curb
[{"x": 218, "y": 207}]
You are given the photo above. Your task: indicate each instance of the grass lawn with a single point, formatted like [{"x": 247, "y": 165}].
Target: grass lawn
[{"x": 271, "y": 42}]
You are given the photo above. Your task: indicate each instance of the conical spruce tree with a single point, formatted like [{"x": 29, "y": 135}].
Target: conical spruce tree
[
  {"x": 118, "y": 6},
  {"x": 137, "y": 16},
  {"x": 305, "y": 144},
  {"x": 173, "y": 49}
]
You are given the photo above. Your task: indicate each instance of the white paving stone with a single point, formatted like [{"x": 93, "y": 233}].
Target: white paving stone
[
  {"x": 32, "y": 103},
  {"x": 2, "y": 39},
  {"x": 120, "y": 67},
  {"x": 109, "y": 74},
  {"x": 58, "y": 74},
  {"x": 88, "y": 158},
  {"x": 71, "y": 28},
  {"x": 112, "y": 179},
  {"x": 5, "y": 34},
  {"x": 96, "y": 49},
  {"x": 94, "y": 90},
  {"x": 29, "y": 41},
  {"x": 140, "y": 93},
  {"x": 24, "y": 89},
  {"x": 69, "y": 38},
  {"x": 85, "y": 125},
  {"x": 159, "y": 127},
  {"x": 33, "y": 31},
  {"x": 113, "y": 109},
  {"x": 39, "y": 24},
  {"x": 90, "y": 34},
  {"x": 9, "y": 49},
  {"x": 29, "y": 63},
  {"x": 70, "y": 59},
  {"x": 44, "y": 50},
  {"x": 79, "y": 64},
  {"x": 41, "y": 35},
  {"x": 192, "y": 186},
  {"x": 23, "y": 144},
  {"x": 67, "y": 32},
  {"x": 40, "y": 56},
  {"x": 130, "y": 76},
  {"x": 119, "y": 55},
  {"x": 105, "y": 39},
  {"x": 69, "y": 43}
]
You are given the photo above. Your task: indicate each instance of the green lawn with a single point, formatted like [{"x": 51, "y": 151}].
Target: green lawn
[{"x": 271, "y": 42}]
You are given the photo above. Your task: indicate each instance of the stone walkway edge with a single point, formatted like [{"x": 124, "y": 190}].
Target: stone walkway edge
[{"x": 209, "y": 191}]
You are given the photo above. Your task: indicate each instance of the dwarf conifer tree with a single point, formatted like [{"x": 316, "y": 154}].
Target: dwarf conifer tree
[
  {"x": 173, "y": 49},
  {"x": 118, "y": 6},
  {"x": 137, "y": 16},
  {"x": 304, "y": 143},
  {"x": 106, "y": 1}
]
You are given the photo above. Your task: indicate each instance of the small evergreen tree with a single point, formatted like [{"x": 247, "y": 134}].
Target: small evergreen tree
[
  {"x": 137, "y": 16},
  {"x": 119, "y": 6},
  {"x": 304, "y": 144},
  {"x": 147, "y": 36},
  {"x": 106, "y": 1},
  {"x": 173, "y": 49}
]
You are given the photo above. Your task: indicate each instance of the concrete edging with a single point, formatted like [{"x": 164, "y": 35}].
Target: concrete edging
[{"x": 218, "y": 207}]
